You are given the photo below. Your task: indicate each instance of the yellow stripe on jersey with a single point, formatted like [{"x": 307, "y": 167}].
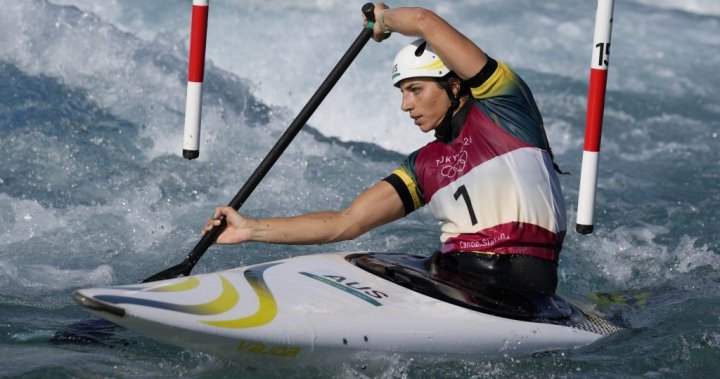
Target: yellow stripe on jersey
[
  {"x": 497, "y": 84},
  {"x": 411, "y": 186}
]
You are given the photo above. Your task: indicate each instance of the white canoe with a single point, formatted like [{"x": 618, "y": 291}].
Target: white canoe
[{"x": 320, "y": 308}]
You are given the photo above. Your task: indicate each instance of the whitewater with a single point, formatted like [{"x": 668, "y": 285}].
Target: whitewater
[{"x": 94, "y": 190}]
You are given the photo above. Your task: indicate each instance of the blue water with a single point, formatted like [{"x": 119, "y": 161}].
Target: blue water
[{"x": 93, "y": 190}]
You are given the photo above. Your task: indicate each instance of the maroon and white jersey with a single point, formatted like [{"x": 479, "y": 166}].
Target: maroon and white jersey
[{"x": 491, "y": 183}]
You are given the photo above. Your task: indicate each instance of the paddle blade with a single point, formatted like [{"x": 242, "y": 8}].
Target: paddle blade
[
  {"x": 183, "y": 269},
  {"x": 88, "y": 332}
]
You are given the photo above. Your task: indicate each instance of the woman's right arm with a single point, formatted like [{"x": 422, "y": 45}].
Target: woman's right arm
[{"x": 376, "y": 206}]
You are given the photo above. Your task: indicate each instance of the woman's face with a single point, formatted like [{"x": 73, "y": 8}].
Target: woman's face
[{"x": 425, "y": 100}]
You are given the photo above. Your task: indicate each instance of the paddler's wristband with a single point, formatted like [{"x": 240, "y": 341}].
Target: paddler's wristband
[{"x": 381, "y": 22}]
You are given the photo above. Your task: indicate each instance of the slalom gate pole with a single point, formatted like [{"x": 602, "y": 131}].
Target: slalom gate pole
[
  {"x": 594, "y": 117},
  {"x": 196, "y": 71}
]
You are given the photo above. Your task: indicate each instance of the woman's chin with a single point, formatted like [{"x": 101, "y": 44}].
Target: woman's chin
[{"x": 426, "y": 128}]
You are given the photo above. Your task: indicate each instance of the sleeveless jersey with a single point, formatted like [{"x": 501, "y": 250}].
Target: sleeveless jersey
[{"x": 492, "y": 185}]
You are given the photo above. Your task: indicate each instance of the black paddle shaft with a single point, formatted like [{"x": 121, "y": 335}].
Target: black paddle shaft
[{"x": 184, "y": 268}]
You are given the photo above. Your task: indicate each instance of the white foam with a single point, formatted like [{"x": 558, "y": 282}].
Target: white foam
[
  {"x": 691, "y": 257},
  {"x": 37, "y": 280},
  {"x": 630, "y": 257},
  {"x": 25, "y": 219}
]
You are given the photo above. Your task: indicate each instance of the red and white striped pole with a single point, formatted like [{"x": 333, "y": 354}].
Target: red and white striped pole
[
  {"x": 196, "y": 70},
  {"x": 594, "y": 118}
]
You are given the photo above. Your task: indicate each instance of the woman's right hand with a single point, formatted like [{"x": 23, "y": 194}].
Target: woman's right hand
[{"x": 238, "y": 227}]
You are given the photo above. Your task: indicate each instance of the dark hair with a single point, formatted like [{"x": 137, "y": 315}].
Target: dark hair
[{"x": 464, "y": 87}]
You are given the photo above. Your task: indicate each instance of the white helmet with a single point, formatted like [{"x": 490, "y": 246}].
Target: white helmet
[{"x": 417, "y": 60}]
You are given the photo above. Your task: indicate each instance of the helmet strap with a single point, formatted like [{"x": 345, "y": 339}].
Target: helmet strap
[{"x": 444, "y": 131}]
